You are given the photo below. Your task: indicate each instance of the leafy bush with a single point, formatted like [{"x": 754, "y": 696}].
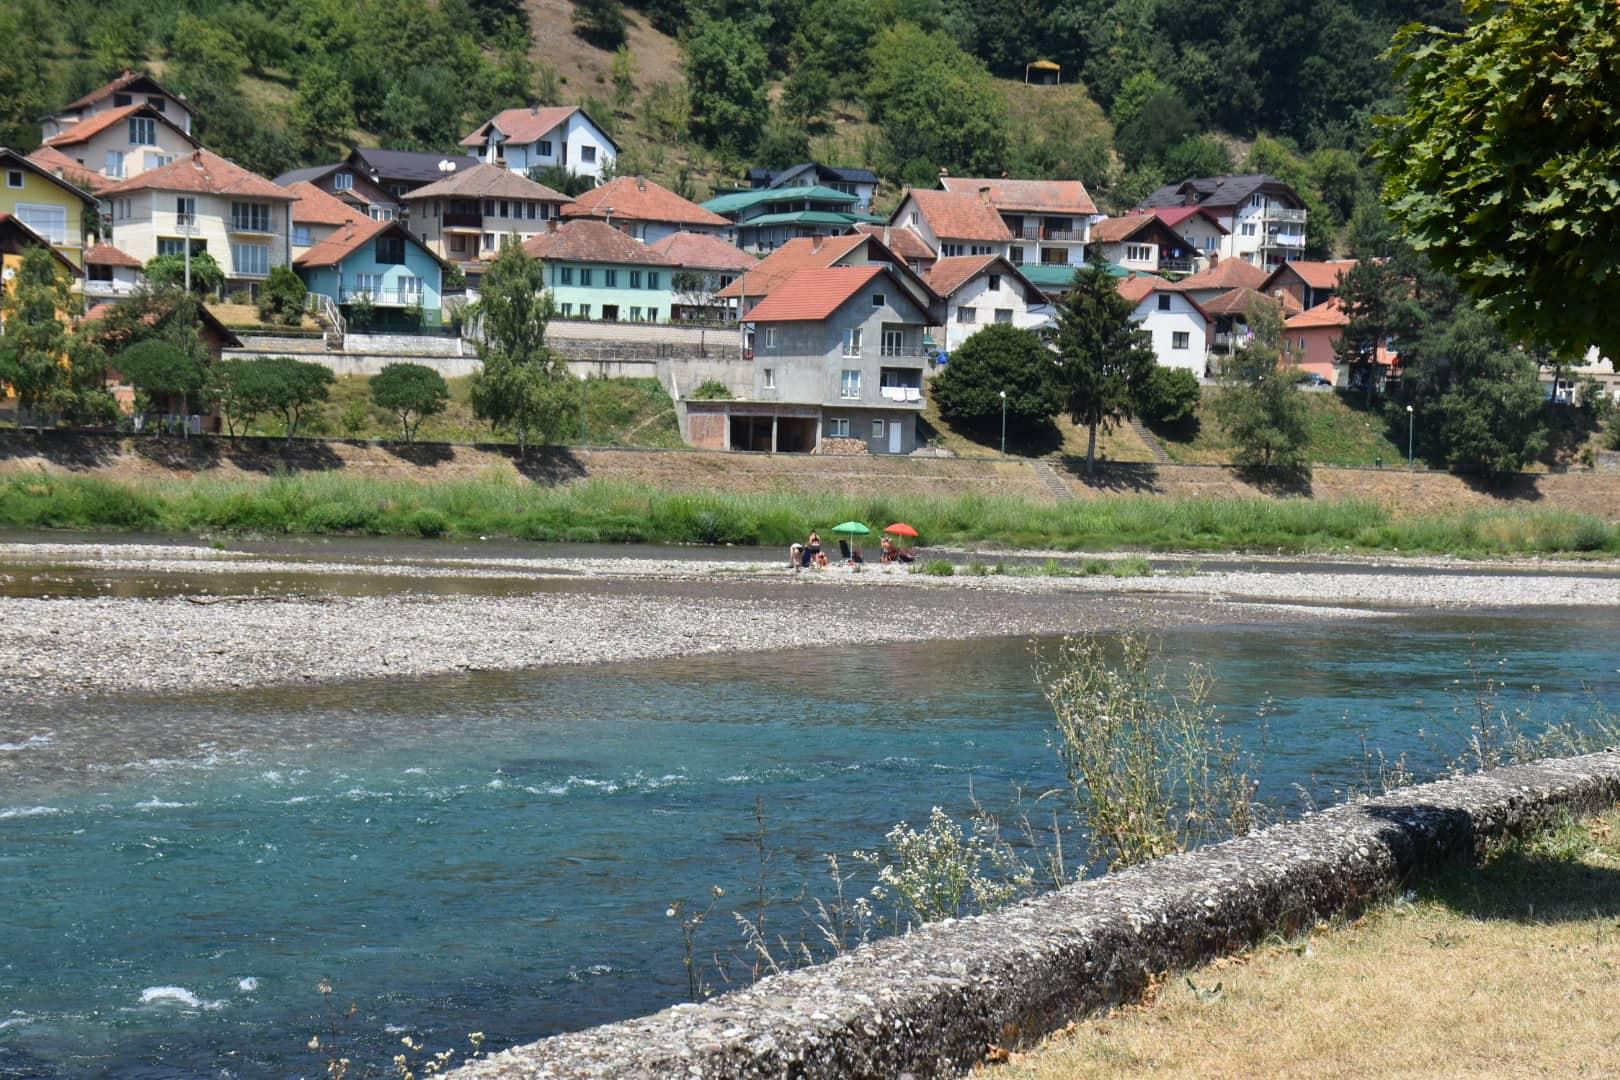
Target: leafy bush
[
  {"x": 711, "y": 390},
  {"x": 411, "y": 392},
  {"x": 938, "y": 568},
  {"x": 158, "y": 367},
  {"x": 281, "y": 300},
  {"x": 1168, "y": 396},
  {"x": 998, "y": 359},
  {"x": 429, "y": 522},
  {"x": 206, "y": 276}
]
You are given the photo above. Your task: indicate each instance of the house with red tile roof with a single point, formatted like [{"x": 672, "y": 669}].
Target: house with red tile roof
[
  {"x": 377, "y": 263},
  {"x": 465, "y": 217},
  {"x": 1222, "y": 276},
  {"x": 1050, "y": 220},
  {"x": 1307, "y": 283},
  {"x": 539, "y": 138},
  {"x": 645, "y": 210},
  {"x": 317, "y": 215},
  {"x": 110, "y": 274},
  {"x": 1312, "y": 335},
  {"x": 53, "y": 207},
  {"x": 214, "y": 205},
  {"x": 1144, "y": 244},
  {"x": 905, "y": 243},
  {"x": 837, "y": 356},
  {"x": 130, "y": 88},
  {"x": 117, "y": 144},
  {"x": 594, "y": 271},
  {"x": 983, "y": 290},
  {"x": 63, "y": 167},
  {"x": 953, "y": 223},
  {"x": 1263, "y": 217},
  {"x": 705, "y": 265},
  {"x": 1178, "y": 325},
  {"x": 853, "y": 249},
  {"x": 1200, "y": 228}
]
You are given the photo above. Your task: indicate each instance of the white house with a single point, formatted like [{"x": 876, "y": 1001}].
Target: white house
[
  {"x": 1264, "y": 217},
  {"x": 952, "y": 224},
  {"x": 982, "y": 290},
  {"x": 1050, "y": 220},
  {"x": 116, "y": 144},
  {"x": 130, "y": 88},
  {"x": 1177, "y": 323},
  {"x": 538, "y": 138}
]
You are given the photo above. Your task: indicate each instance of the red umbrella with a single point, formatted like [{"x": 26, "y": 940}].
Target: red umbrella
[{"x": 900, "y": 528}]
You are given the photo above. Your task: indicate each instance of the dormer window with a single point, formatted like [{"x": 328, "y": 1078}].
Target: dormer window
[{"x": 343, "y": 181}]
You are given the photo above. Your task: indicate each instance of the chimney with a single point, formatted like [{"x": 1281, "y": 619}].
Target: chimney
[
  {"x": 984, "y": 193},
  {"x": 534, "y": 110},
  {"x": 641, "y": 183},
  {"x": 551, "y": 225},
  {"x": 1214, "y": 257},
  {"x": 943, "y": 171}
]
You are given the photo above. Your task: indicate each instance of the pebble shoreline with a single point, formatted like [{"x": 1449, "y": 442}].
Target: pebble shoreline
[{"x": 611, "y": 609}]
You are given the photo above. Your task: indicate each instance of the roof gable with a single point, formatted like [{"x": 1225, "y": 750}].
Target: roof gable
[
  {"x": 946, "y": 276},
  {"x": 1323, "y": 274},
  {"x": 60, "y": 165},
  {"x": 15, "y": 234},
  {"x": 795, "y": 255},
  {"x": 954, "y": 216},
  {"x": 635, "y": 198},
  {"x": 814, "y": 293},
  {"x": 533, "y": 124},
  {"x": 486, "y": 181},
  {"x": 902, "y": 240},
  {"x": 1028, "y": 196},
  {"x": 132, "y": 82},
  {"x": 91, "y": 126},
  {"x": 11, "y": 157},
  {"x": 353, "y": 236}
]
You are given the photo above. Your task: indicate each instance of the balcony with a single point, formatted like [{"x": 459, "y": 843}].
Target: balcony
[
  {"x": 1176, "y": 266},
  {"x": 910, "y": 395},
  {"x": 1067, "y": 236},
  {"x": 904, "y": 350},
  {"x": 248, "y": 225},
  {"x": 1283, "y": 240},
  {"x": 115, "y": 288},
  {"x": 1280, "y": 215},
  {"x": 463, "y": 220},
  {"x": 382, "y": 297}
]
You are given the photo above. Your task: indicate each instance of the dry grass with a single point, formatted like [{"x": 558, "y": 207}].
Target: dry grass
[
  {"x": 1507, "y": 970},
  {"x": 1066, "y": 439},
  {"x": 248, "y": 315}
]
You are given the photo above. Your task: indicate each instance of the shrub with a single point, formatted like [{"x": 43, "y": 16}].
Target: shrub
[
  {"x": 1168, "y": 396},
  {"x": 281, "y": 299},
  {"x": 711, "y": 390},
  {"x": 939, "y": 568},
  {"x": 429, "y": 522},
  {"x": 411, "y": 392}
]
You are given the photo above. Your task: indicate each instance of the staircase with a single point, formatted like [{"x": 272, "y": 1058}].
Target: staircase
[
  {"x": 1151, "y": 441},
  {"x": 1049, "y": 476},
  {"x": 326, "y": 312}
]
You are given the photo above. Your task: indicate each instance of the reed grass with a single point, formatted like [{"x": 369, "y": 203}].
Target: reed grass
[{"x": 600, "y": 511}]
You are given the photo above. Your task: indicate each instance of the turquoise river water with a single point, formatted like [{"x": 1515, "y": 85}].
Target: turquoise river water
[{"x": 496, "y": 853}]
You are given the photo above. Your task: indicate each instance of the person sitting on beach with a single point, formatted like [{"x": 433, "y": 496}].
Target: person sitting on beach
[
  {"x": 820, "y": 560},
  {"x": 855, "y": 556},
  {"x": 886, "y": 551},
  {"x": 796, "y": 556},
  {"x": 812, "y": 548}
]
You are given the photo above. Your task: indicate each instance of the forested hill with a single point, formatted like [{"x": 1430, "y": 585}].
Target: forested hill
[{"x": 904, "y": 86}]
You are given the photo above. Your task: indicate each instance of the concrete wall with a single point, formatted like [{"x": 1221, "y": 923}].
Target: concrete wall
[{"x": 931, "y": 1002}]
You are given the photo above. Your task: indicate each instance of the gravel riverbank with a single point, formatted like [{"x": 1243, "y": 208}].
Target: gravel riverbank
[{"x": 87, "y": 619}]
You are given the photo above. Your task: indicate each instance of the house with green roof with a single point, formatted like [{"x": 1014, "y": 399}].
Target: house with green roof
[{"x": 767, "y": 218}]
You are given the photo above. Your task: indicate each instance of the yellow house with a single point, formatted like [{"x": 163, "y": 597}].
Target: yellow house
[{"x": 47, "y": 204}]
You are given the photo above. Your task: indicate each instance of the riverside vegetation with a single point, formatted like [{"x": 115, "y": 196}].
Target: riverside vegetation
[{"x": 613, "y": 512}]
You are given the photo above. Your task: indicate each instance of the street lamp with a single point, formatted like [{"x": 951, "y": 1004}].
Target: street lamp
[
  {"x": 1003, "y": 423},
  {"x": 1411, "y": 422}
]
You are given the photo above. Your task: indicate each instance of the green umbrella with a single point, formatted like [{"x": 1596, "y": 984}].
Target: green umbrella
[{"x": 854, "y": 528}]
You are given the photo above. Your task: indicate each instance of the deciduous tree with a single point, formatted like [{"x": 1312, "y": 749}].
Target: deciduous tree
[
  {"x": 726, "y": 72},
  {"x": 521, "y": 385},
  {"x": 411, "y": 392},
  {"x": 49, "y": 369},
  {"x": 996, "y": 359},
  {"x": 1260, "y": 405},
  {"x": 1104, "y": 355}
]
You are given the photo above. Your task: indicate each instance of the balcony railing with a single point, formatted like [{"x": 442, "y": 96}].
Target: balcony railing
[
  {"x": 903, "y": 350},
  {"x": 1281, "y": 239},
  {"x": 1279, "y": 214},
  {"x": 109, "y": 288},
  {"x": 909, "y": 394},
  {"x": 395, "y": 297},
  {"x": 1176, "y": 266},
  {"x": 1041, "y": 232}
]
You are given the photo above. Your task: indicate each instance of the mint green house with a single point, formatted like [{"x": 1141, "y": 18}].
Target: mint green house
[
  {"x": 594, "y": 271},
  {"x": 383, "y": 263}
]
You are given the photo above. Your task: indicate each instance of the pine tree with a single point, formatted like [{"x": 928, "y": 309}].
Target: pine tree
[{"x": 1105, "y": 356}]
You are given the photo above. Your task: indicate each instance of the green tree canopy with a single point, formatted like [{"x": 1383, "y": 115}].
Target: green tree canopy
[
  {"x": 934, "y": 106},
  {"x": 1105, "y": 355},
  {"x": 282, "y": 297},
  {"x": 521, "y": 386},
  {"x": 273, "y": 384},
  {"x": 600, "y": 22},
  {"x": 207, "y": 279},
  {"x": 159, "y": 368},
  {"x": 1259, "y": 404},
  {"x": 726, "y": 71},
  {"x": 411, "y": 392},
  {"x": 998, "y": 358},
  {"x": 1504, "y": 169},
  {"x": 50, "y": 369}
]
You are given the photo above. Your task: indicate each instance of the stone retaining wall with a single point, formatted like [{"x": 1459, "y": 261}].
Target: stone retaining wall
[{"x": 931, "y": 1002}]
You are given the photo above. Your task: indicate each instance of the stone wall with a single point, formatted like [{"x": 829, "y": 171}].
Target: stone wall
[
  {"x": 277, "y": 344},
  {"x": 406, "y": 345},
  {"x": 931, "y": 1002}
]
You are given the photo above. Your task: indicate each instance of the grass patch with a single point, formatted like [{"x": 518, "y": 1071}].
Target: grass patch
[
  {"x": 1343, "y": 432},
  {"x": 616, "y": 512},
  {"x": 1506, "y": 969}
]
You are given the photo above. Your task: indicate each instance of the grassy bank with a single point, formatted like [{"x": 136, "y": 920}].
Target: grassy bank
[
  {"x": 1503, "y": 970},
  {"x": 604, "y": 511}
]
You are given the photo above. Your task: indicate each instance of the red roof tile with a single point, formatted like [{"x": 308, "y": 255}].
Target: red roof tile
[
  {"x": 1226, "y": 274},
  {"x": 791, "y": 257},
  {"x": 91, "y": 126},
  {"x": 1319, "y": 275},
  {"x": 814, "y": 293},
  {"x": 315, "y": 207},
  {"x": 700, "y": 251},
  {"x": 1027, "y": 196},
  {"x": 948, "y": 275},
  {"x": 958, "y": 217},
  {"x": 59, "y": 164},
  {"x": 107, "y": 255},
  {"x": 901, "y": 240},
  {"x": 522, "y": 125},
  {"x": 1237, "y": 301},
  {"x": 206, "y": 173},
  {"x": 1331, "y": 313},
  {"x": 127, "y": 79},
  {"x": 487, "y": 181},
  {"x": 589, "y": 240},
  {"x": 1114, "y": 230},
  {"x": 1175, "y": 215},
  {"x": 635, "y": 198},
  {"x": 1139, "y": 287},
  {"x": 342, "y": 243}
]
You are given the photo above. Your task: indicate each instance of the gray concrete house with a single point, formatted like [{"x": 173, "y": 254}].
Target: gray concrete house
[{"x": 837, "y": 357}]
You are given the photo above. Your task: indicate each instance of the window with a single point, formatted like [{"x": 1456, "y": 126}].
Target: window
[
  {"x": 185, "y": 210},
  {"x": 489, "y": 241},
  {"x": 1164, "y": 301},
  {"x": 122, "y": 101},
  {"x": 1257, "y": 200},
  {"x": 635, "y": 279},
  {"x": 343, "y": 181},
  {"x": 1138, "y": 252},
  {"x": 157, "y": 103},
  {"x": 1181, "y": 339},
  {"x": 568, "y": 311},
  {"x": 458, "y": 244},
  {"x": 410, "y": 289},
  {"x": 14, "y": 178},
  {"x": 894, "y": 343},
  {"x": 1302, "y": 343},
  {"x": 995, "y": 283},
  {"x": 768, "y": 378},
  {"x": 635, "y": 314},
  {"x": 610, "y": 279},
  {"x": 142, "y": 131},
  {"x": 584, "y": 311},
  {"x": 160, "y": 160},
  {"x": 852, "y": 342},
  {"x": 565, "y": 275},
  {"x": 652, "y": 314},
  {"x": 489, "y": 207},
  {"x": 251, "y": 260},
  {"x": 1250, "y": 229},
  {"x": 838, "y": 427},
  {"x": 250, "y": 217},
  {"x": 51, "y": 222},
  {"x": 981, "y": 249},
  {"x": 1004, "y": 316},
  {"x": 173, "y": 245},
  {"x": 102, "y": 274},
  {"x": 1016, "y": 256},
  {"x": 115, "y": 164},
  {"x": 967, "y": 316},
  {"x": 877, "y": 429},
  {"x": 912, "y": 220},
  {"x": 652, "y": 279},
  {"x": 770, "y": 337},
  {"x": 587, "y": 153},
  {"x": 879, "y": 300},
  {"x": 585, "y": 275},
  {"x": 544, "y": 147},
  {"x": 368, "y": 284},
  {"x": 849, "y": 384},
  {"x": 950, "y": 251},
  {"x": 390, "y": 250},
  {"x": 301, "y": 236}
]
